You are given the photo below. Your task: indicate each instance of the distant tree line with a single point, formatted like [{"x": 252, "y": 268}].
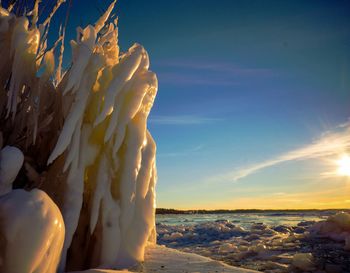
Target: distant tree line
[{"x": 223, "y": 211}]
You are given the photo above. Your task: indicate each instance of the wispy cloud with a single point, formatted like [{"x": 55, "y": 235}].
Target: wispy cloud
[
  {"x": 182, "y": 153},
  {"x": 183, "y": 78},
  {"x": 222, "y": 67},
  {"x": 199, "y": 72},
  {"x": 182, "y": 120},
  {"x": 329, "y": 144}
]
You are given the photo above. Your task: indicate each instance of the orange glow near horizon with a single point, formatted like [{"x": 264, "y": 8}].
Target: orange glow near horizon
[{"x": 333, "y": 195}]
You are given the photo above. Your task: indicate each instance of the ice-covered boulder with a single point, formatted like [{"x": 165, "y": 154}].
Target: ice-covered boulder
[
  {"x": 31, "y": 232},
  {"x": 336, "y": 227},
  {"x": 304, "y": 261},
  {"x": 11, "y": 161}
]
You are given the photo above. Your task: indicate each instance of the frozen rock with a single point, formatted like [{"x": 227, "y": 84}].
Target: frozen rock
[
  {"x": 282, "y": 229},
  {"x": 227, "y": 247},
  {"x": 299, "y": 230},
  {"x": 252, "y": 237},
  {"x": 242, "y": 255},
  {"x": 260, "y": 248},
  {"x": 243, "y": 248},
  {"x": 336, "y": 227},
  {"x": 275, "y": 265},
  {"x": 347, "y": 243},
  {"x": 173, "y": 236},
  {"x": 342, "y": 219},
  {"x": 258, "y": 226},
  {"x": 304, "y": 261},
  {"x": 284, "y": 258},
  {"x": 32, "y": 232},
  {"x": 334, "y": 224},
  {"x": 306, "y": 223},
  {"x": 269, "y": 232},
  {"x": 11, "y": 161}
]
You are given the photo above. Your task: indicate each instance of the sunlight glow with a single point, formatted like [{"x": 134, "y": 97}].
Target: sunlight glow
[{"x": 344, "y": 166}]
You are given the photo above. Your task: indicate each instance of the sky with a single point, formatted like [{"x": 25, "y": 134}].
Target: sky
[{"x": 253, "y": 103}]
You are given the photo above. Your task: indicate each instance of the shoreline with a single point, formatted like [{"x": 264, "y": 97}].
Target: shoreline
[{"x": 161, "y": 211}]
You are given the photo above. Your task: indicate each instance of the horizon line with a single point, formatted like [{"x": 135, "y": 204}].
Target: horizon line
[{"x": 233, "y": 210}]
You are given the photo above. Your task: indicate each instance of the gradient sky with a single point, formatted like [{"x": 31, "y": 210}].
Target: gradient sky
[{"x": 251, "y": 94}]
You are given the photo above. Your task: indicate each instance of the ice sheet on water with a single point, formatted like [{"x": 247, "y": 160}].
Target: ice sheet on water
[
  {"x": 245, "y": 219},
  {"x": 290, "y": 244}
]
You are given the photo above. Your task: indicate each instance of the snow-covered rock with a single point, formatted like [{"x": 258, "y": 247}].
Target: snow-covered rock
[
  {"x": 336, "y": 227},
  {"x": 11, "y": 161},
  {"x": 31, "y": 232},
  {"x": 303, "y": 261}
]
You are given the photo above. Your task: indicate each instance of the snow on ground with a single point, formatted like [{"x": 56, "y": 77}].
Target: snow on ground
[{"x": 163, "y": 259}]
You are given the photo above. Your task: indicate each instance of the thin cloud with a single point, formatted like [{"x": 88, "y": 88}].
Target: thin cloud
[
  {"x": 228, "y": 68},
  {"x": 182, "y": 153},
  {"x": 191, "y": 72},
  {"x": 182, "y": 120},
  {"x": 329, "y": 144},
  {"x": 183, "y": 78}
]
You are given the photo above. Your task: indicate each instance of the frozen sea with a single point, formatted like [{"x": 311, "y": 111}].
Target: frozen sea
[
  {"x": 264, "y": 241},
  {"x": 245, "y": 220}
]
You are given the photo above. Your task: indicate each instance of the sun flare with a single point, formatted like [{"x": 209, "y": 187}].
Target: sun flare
[{"x": 344, "y": 166}]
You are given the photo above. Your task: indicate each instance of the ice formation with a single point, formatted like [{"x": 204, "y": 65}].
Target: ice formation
[
  {"x": 336, "y": 227},
  {"x": 11, "y": 161},
  {"x": 304, "y": 261},
  {"x": 83, "y": 133},
  {"x": 33, "y": 229}
]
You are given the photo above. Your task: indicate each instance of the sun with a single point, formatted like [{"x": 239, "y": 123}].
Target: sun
[{"x": 343, "y": 165}]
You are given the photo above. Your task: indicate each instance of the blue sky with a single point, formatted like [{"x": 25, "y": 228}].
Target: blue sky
[{"x": 242, "y": 83}]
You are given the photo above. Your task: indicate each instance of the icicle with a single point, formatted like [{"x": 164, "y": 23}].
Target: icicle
[
  {"x": 34, "y": 13},
  {"x": 83, "y": 52},
  {"x": 126, "y": 69},
  {"x": 24, "y": 46},
  {"x": 58, "y": 75},
  {"x": 5, "y": 17},
  {"x": 101, "y": 22},
  {"x": 77, "y": 109},
  {"x": 55, "y": 8},
  {"x": 74, "y": 146}
]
